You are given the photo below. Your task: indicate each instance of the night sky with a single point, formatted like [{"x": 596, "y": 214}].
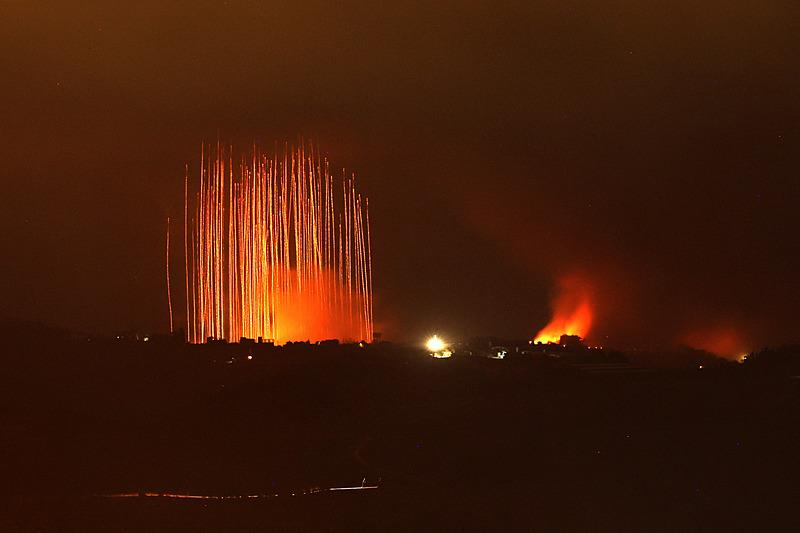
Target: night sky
[{"x": 650, "y": 149}]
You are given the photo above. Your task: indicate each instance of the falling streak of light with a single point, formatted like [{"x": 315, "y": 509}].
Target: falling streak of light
[
  {"x": 169, "y": 292},
  {"x": 186, "y": 238},
  {"x": 172, "y": 495},
  {"x": 274, "y": 254}
]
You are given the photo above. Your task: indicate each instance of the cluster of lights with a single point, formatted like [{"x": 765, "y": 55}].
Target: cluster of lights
[{"x": 532, "y": 342}]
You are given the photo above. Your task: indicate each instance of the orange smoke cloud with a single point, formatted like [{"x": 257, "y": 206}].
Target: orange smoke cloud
[{"x": 572, "y": 311}]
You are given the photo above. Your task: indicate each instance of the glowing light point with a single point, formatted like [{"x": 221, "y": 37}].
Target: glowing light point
[
  {"x": 435, "y": 344},
  {"x": 438, "y": 348}
]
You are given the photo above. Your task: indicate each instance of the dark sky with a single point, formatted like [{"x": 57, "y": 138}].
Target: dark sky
[{"x": 651, "y": 148}]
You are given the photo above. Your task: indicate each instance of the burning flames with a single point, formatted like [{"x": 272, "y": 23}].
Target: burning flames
[{"x": 572, "y": 311}]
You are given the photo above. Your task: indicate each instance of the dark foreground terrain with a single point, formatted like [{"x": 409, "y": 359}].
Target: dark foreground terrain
[{"x": 458, "y": 444}]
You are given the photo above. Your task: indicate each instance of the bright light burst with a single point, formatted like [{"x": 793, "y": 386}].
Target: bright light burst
[
  {"x": 438, "y": 348},
  {"x": 435, "y": 344},
  {"x": 276, "y": 248}
]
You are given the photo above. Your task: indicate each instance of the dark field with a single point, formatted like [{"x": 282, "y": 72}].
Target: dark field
[{"x": 459, "y": 444}]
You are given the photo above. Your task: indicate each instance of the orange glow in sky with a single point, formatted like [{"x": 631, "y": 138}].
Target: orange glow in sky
[{"x": 724, "y": 341}]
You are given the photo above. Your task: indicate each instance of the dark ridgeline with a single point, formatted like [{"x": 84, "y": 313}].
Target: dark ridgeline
[{"x": 539, "y": 440}]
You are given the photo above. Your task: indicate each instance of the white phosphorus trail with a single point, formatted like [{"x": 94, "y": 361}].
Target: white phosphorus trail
[
  {"x": 273, "y": 251},
  {"x": 169, "y": 291}
]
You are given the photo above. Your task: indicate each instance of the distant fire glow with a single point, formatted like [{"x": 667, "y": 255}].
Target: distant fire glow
[
  {"x": 723, "y": 340},
  {"x": 572, "y": 312},
  {"x": 276, "y": 248}
]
